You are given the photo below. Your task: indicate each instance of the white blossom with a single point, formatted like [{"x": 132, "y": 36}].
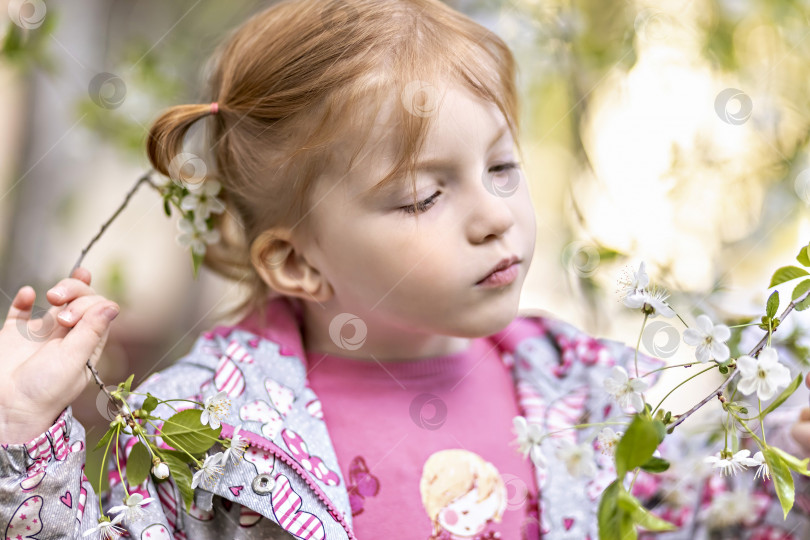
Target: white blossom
[
  {"x": 625, "y": 391},
  {"x": 210, "y": 469},
  {"x": 196, "y": 235},
  {"x": 215, "y": 408},
  {"x": 762, "y": 470},
  {"x": 237, "y": 447},
  {"x": 578, "y": 458},
  {"x": 203, "y": 201},
  {"x": 529, "y": 437},
  {"x": 731, "y": 464},
  {"x": 763, "y": 375},
  {"x": 608, "y": 439},
  {"x": 639, "y": 281},
  {"x": 160, "y": 470},
  {"x": 651, "y": 302},
  {"x": 131, "y": 510},
  {"x": 709, "y": 338},
  {"x": 730, "y": 508},
  {"x": 107, "y": 530}
]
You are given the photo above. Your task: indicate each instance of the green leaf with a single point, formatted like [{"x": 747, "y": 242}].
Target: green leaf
[
  {"x": 801, "y": 289},
  {"x": 637, "y": 445},
  {"x": 782, "y": 479},
  {"x": 105, "y": 438},
  {"x": 804, "y": 304},
  {"x": 787, "y": 273},
  {"x": 150, "y": 403},
  {"x": 800, "y": 466},
  {"x": 773, "y": 305},
  {"x": 138, "y": 465},
  {"x": 181, "y": 475},
  {"x": 167, "y": 208},
  {"x": 783, "y": 396},
  {"x": 641, "y": 515},
  {"x": 614, "y": 522},
  {"x": 177, "y": 454},
  {"x": 125, "y": 386},
  {"x": 804, "y": 256},
  {"x": 660, "y": 429},
  {"x": 196, "y": 262},
  {"x": 185, "y": 431},
  {"x": 656, "y": 465}
]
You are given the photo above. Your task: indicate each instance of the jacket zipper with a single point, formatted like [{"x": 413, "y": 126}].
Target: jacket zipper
[{"x": 269, "y": 446}]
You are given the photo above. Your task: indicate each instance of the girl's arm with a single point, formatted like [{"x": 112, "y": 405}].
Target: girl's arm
[{"x": 44, "y": 492}]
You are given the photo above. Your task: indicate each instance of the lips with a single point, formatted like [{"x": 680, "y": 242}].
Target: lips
[{"x": 502, "y": 265}]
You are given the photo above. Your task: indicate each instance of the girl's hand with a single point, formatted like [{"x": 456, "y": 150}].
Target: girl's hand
[
  {"x": 801, "y": 429},
  {"x": 42, "y": 361}
]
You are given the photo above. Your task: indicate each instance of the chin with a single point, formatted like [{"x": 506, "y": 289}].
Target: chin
[{"x": 488, "y": 321}]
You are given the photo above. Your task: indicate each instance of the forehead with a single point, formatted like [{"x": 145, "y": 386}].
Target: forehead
[{"x": 457, "y": 122}]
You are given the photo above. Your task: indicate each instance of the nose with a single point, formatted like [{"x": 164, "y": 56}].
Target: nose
[{"x": 491, "y": 211}]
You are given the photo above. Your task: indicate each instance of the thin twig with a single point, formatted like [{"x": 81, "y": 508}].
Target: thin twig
[
  {"x": 145, "y": 178},
  {"x": 141, "y": 180},
  {"x": 754, "y": 352}
]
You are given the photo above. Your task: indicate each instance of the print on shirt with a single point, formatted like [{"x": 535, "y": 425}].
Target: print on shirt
[
  {"x": 362, "y": 485},
  {"x": 461, "y": 494}
]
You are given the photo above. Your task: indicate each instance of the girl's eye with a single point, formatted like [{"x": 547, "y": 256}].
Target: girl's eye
[
  {"x": 504, "y": 167},
  {"x": 422, "y": 205}
]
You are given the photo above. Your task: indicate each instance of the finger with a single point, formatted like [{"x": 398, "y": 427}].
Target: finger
[
  {"x": 67, "y": 290},
  {"x": 21, "y": 305},
  {"x": 807, "y": 380},
  {"x": 804, "y": 415},
  {"x": 801, "y": 433},
  {"x": 72, "y": 312},
  {"x": 82, "y": 341},
  {"x": 82, "y": 274}
]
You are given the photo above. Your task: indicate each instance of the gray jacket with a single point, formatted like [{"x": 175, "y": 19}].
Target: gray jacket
[{"x": 290, "y": 484}]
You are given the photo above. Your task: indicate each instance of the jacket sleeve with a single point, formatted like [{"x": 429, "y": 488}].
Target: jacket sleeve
[{"x": 44, "y": 492}]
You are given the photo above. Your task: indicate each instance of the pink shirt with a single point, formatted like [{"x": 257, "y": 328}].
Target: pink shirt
[{"x": 426, "y": 446}]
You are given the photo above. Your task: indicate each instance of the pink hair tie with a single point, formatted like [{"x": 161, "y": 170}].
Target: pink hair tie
[{"x": 214, "y": 107}]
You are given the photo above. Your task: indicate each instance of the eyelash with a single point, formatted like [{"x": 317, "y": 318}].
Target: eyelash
[{"x": 426, "y": 204}]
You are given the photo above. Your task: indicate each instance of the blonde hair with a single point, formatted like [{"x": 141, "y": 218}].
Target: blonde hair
[
  {"x": 450, "y": 474},
  {"x": 293, "y": 82}
]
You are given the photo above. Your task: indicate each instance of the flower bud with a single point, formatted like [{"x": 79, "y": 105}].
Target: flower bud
[{"x": 160, "y": 470}]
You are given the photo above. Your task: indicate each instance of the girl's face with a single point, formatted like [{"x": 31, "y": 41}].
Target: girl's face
[{"x": 415, "y": 279}]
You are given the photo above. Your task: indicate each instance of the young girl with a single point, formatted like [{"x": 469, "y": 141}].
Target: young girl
[{"x": 368, "y": 157}]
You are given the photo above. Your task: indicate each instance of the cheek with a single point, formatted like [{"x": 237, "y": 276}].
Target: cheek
[{"x": 449, "y": 516}]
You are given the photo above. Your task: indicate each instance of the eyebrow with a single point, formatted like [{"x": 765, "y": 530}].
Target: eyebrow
[{"x": 394, "y": 184}]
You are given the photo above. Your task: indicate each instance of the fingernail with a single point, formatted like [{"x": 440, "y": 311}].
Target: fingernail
[
  {"x": 65, "y": 316},
  {"x": 110, "y": 313},
  {"x": 58, "y": 292}
]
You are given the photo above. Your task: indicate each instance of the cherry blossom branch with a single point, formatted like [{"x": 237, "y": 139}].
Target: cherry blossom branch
[
  {"x": 141, "y": 180},
  {"x": 144, "y": 178},
  {"x": 754, "y": 352}
]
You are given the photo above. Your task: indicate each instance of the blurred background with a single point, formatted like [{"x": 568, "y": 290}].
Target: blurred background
[{"x": 673, "y": 132}]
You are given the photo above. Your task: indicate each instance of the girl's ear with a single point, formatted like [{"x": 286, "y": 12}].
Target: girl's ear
[{"x": 286, "y": 270}]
